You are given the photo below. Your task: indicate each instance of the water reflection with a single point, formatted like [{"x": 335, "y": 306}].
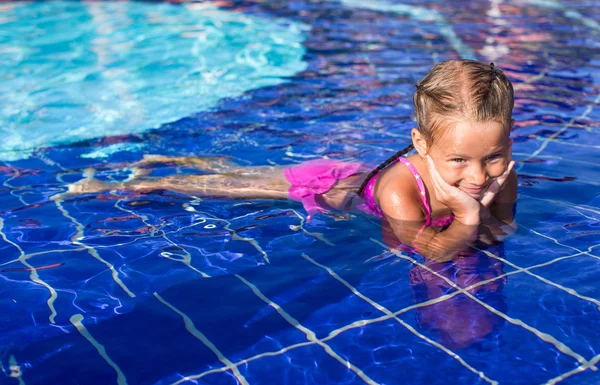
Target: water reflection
[{"x": 460, "y": 322}]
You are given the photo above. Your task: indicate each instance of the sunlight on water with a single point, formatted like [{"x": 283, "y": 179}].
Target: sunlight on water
[{"x": 121, "y": 68}]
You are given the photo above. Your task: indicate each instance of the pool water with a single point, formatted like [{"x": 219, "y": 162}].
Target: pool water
[
  {"x": 126, "y": 68},
  {"x": 163, "y": 288}
]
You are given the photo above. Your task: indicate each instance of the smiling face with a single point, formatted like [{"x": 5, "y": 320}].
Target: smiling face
[
  {"x": 459, "y": 105},
  {"x": 470, "y": 155}
]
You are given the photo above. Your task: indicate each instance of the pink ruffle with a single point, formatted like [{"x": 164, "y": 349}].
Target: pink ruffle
[{"x": 316, "y": 177}]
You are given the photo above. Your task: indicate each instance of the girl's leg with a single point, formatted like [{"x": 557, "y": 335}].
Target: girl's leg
[
  {"x": 261, "y": 182},
  {"x": 217, "y": 164},
  {"x": 253, "y": 183}
]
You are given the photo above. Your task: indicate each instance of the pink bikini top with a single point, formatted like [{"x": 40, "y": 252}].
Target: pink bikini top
[{"x": 370, "y": 207}]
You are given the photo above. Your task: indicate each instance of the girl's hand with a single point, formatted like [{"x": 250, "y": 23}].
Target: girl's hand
[
  {"x": 464, "y": 207},
  {"x": 496, "y": 186}
]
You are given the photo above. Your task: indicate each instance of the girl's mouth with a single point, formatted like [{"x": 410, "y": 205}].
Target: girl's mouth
[
  {"x": 474, "y": 191},
  {"x": 477, "y": 190}
]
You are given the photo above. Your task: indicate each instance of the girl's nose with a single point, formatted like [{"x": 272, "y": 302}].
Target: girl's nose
[{"x": 478, "y": 175}]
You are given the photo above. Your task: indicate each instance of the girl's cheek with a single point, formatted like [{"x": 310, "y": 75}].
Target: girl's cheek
[
  {"x": 451, "y": 176},
  {"x": 497, "y": 169}
]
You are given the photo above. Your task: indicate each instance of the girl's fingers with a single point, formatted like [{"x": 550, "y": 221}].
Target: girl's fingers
[
  {"x": 496, "y": 186},
  {"x": 489, "y": 195},
  {"x": 439, "y": 192},
  {"x": 510, "y": 167},
  {"x": 436, "y": 178},
  {"x": 504, "y": 176}
]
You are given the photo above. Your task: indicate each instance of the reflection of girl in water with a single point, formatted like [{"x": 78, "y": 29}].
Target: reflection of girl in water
[{"x": 459, "y": 321}]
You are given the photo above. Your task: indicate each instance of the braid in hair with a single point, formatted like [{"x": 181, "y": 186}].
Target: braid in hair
[
  {"x": 382, "y": 166},
  {"x": 494, "y": 77},
  {"x": 495, "y": 71}
]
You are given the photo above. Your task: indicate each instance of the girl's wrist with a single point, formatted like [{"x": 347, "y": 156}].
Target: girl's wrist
[
  {"x": 469, "y": 221},
  {"x": 473, "y": 218}
]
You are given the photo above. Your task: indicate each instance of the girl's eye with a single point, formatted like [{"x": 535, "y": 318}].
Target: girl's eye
[
  {"x": 457, "y": 160},
  {"x": 494, "y": 156}
]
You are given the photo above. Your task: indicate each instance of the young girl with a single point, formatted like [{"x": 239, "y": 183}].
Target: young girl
[{"x": 459, "y": 185}]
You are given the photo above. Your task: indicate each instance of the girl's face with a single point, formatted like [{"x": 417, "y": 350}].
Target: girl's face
[{"x": 470, "y": 155}]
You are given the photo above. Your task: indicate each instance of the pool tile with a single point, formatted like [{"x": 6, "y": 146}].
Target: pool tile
[
  {"x": 580, "y": 273},
  {"x": 388, "y": 352},
  {"x": 566, "y": 318},
  {"x": 525, "y": 249},
  {"x": 132, "y": 342},
  {"x": 505, "y": 352},
  {"x": 587, "y": 377},
  {"x": 301, "y": 366},
  {"x": 243, "y": 320},
  {"x": 311, "y": 296},
  {"x": 226, "y": 378}
]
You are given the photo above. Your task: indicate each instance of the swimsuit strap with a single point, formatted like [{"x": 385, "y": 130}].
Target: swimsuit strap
[
  {"x": 370, "y": 207},
  {"x": 421, "y": 187}
]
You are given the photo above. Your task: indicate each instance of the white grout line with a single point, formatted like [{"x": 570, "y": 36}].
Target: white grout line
[
  {"x": 543, "y": 336},
  {"x": 563, "y": 245},
  {"x": 77, "y": 240},
  {"x": 418, "y": 13},
  {"x": 400, "y": 321},
  {"x": 184, "y": 258},
  {"x": 557, "y": 285},
  {"x": 189, "y": 325},
  {"x": 578, "y": 369},
  {"x": 76, "y": 321},
  {"x": 547, "y": 140},
  {"x": 568, "y": 205},
  {"x": 558, "y": 158},
  {"x": 310, "y": 335},
  {"x": 33, "y": 274},
  {"x": 361, "y": 323},
  {"x": 234, "y": 234}
]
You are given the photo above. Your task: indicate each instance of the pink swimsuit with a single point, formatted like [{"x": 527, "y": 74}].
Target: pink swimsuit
[{"x": 316, "y": 177}]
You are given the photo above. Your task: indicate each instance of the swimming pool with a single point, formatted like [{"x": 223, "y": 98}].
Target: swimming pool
[{"x": 162, "y": 288}]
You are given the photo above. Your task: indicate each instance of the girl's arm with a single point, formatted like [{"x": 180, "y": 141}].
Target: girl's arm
[
  {"x": 498, "y": 209},
  {"x": 436, "y": 246},
  {"x": 402, "y": 206}
]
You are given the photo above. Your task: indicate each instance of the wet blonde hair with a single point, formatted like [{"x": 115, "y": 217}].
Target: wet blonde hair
[{"x": 461, "y": 90}]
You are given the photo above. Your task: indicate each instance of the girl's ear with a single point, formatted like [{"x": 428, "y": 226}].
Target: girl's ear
[
  {"x": 510, "y": 143},
  {"x": 419, "y": 142}
]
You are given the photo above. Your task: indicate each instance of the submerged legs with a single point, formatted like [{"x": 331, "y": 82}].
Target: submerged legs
[{"x": 263, "y": 182}]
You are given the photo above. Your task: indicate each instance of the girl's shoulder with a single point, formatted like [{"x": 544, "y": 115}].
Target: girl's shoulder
[{"x": 397, "y": 192}]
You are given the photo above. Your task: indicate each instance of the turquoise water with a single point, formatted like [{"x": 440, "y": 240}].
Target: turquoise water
[{"x": 123, "y": 68}]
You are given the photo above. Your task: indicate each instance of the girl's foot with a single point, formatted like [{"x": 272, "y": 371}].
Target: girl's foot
[{"x": 87, "y": 185}]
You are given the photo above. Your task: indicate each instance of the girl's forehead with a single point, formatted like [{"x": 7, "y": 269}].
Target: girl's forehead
[{"x": 471, "y": 135}]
